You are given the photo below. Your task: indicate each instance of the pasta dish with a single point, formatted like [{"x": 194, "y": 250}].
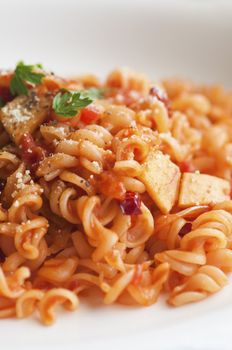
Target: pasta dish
[{"x": 122, "y": 186}]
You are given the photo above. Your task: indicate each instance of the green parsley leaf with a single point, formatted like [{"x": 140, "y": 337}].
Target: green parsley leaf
[
  {"x": 25, "y": 74},
  {"x": 2, "y": 103},
  {"x": 69, "y": 103}
]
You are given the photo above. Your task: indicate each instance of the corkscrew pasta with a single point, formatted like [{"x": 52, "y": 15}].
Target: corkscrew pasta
[{"x": 129, "y": 195}]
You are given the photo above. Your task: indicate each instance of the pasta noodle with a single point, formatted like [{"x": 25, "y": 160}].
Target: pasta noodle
[{"x": 130, "y": 196}]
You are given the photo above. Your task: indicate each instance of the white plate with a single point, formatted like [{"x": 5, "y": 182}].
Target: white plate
[{"x": 184, "y": 38}]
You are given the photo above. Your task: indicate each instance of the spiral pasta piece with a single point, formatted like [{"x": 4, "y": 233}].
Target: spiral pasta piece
[
  {"x": 12, "y": 286},
  {"x": 29, "y": 235},
  {"x": 207, "y": 280},
  {"x": 147, "y": 295},
  {"x": 90, "y": 145},
  {"x": 58, "y": 270},
  {"x": 54, "y": 297},
  {"x": 26, "y": 303},
  {"x": 103, "y": 237}
]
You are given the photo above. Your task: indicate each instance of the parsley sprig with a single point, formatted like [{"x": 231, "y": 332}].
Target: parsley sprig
[
  {"x": 68, "y": 103},
  {"x": 25, "y": 74}
]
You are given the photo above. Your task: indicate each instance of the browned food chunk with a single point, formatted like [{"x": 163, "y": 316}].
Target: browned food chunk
[
  {"x": 161, "y": 178},
  {"x": 202, "y": 189},
  {"x": 24, "y": 114}
]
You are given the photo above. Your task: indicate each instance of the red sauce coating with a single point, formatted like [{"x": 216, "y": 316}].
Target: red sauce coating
[
  {"x": 110, "y": 185},
  {"x": 32, "y": 154}
]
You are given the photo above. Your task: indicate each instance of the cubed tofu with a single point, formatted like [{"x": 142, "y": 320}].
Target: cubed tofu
[
  {"x": 202, "y": 189},
  {"x": 24, "y": 114},
  {"x": 161, "y": 178}
]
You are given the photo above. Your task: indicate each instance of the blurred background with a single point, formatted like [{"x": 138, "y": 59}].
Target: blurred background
[{"x": 187, "y": 38}]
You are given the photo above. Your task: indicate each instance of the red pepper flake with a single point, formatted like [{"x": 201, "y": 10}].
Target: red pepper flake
[
  {"x": 137, "y": 274},
  {"x": 89, "y": 114},
  {"x": 186, "y": 167},
  {"x": 32, "y": 154},
  {"x": 185, "y": 229},
  {"x": 131, "y": 204}
]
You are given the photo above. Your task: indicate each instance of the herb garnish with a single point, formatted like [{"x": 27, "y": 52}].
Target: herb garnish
[
  {"x": 68, "y": 103},
  {"x": 25, "y": 74}
]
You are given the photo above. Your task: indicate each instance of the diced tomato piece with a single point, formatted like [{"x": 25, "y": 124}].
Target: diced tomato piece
[
  {"x": 89, "y": 114},
  {"x": 186, "y": 167}
]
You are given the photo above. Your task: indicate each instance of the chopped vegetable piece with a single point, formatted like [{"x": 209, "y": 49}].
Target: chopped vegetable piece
[
  {"x": 161, "y": 178},
  {"x": 202, "y": 189},
  {"x": 89, "y": 114},
  {"x": 25, "y": 74},
  {"x": 131, "y": 204},
  {"x": 24, "y": 115}
]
